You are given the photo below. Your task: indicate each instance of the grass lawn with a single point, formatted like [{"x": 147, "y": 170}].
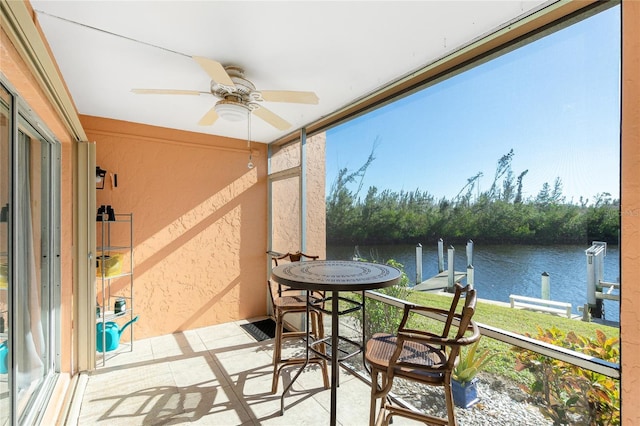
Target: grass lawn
[{"x": 514, "y": 320}]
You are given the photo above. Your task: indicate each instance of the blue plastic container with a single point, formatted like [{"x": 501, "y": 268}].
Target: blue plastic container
[{"x": 465, "y": 395}]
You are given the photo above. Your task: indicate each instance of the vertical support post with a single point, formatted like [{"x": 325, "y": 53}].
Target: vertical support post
[
  {"x": 599, "y": 266},
  {"x": 303, "y": 190},
  {"x": 269, "y": 265},
  {"x": 591, "y": 279},
  {"x": 469, "y": 248},
  {"x": 303, "y": 203},
  {"x": 440, "y": 255},
  {"x": 418, "y": 263},
  {"x": 450, "y": 268},
  {"x": 84, "y": 286},
  {"x": 335, "y": 367},
  {"x": 602, "y": 252},
  {"x": 586, "y": 316},
  {"x": 545, "y": 286},
  {"x": 595, "y": 305},
  {"x": 470, "y": 277}
]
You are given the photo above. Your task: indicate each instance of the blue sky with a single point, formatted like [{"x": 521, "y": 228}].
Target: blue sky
[{"x": 555, "y": 102}]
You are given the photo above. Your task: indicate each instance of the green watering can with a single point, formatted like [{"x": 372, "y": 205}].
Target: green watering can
[{"x": 111, "y": 336}]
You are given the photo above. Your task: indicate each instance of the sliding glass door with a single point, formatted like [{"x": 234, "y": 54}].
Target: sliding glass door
[
  {"x": 33, "y": 248},
  {"x": 28, "y": 263},
  {"x": 5, "y": 138}
]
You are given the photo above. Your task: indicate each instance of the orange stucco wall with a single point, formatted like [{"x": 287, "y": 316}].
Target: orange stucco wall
[
  {"x": 20, "y": 77},
  {"x": 316, "y": 201},
  {"x": 286, "y": 233},
  {"x": 630, "y": 213},
  {"x": 199, "y": 222}
]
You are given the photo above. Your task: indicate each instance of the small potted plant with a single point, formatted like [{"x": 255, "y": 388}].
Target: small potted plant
[{"x": 464, "y": 380}]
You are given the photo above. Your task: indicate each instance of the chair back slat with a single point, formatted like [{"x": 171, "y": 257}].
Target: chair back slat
[
  {"x": 455, "y": 302},
  {"x": 452, "y": 309},
  {"x": 467, "y": 313},
  {"x": 292, "y": 257}
]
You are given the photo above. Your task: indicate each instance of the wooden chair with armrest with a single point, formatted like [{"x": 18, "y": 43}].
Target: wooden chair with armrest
[
  {"x": 421, "y": 356},
  {"x": 287, "y": 301}
]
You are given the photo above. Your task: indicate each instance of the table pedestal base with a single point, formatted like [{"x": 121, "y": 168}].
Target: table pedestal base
[{"x": 334, "y": 340}]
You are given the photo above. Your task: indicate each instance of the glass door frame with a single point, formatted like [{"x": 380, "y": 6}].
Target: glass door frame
[{"x": 22, "y": 120}]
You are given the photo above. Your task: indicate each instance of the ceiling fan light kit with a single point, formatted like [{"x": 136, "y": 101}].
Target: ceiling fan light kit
[{"x": 232, "y": 110}]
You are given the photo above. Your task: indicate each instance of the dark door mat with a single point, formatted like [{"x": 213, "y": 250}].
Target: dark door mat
[{"x": 261, "y": 330}]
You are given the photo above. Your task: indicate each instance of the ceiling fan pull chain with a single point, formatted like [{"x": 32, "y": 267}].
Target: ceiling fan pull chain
[{"x": 250, "y": 164}]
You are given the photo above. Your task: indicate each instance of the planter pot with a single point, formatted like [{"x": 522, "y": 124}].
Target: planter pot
[{"x": 465, "y": 395}]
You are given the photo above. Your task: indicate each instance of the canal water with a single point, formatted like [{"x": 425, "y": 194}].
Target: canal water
[{"x": 501, "y": 270}]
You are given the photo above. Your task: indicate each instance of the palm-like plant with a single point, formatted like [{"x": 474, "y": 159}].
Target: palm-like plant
[{"x": 470, "y": 363}]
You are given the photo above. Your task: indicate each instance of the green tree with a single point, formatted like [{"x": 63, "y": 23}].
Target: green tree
[
  {"x": 494, "y": 216},
  {"x": 504, "y": 166},
  {"x": 518, "y": 198}
]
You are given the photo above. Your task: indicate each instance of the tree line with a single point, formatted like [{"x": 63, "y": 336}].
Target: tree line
[{"x": 500, "y": 214}]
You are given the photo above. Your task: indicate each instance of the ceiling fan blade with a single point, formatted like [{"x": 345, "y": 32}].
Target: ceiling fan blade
[
  {"x": 168, "y": 92},
  {"x": 215, "y": 70},
  {"x": 209, "y": 118},
  {"x": 289, "y": 96},
  {"x": 272, "y": 118}
]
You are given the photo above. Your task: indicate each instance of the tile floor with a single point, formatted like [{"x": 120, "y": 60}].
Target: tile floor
[{"x": 218, "y": 375}]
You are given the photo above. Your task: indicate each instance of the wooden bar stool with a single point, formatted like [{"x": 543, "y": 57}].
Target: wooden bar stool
[{"x": 288, "y": 301}]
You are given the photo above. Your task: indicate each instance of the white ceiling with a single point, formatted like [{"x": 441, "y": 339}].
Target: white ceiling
[{"x": 342, "y": 51}]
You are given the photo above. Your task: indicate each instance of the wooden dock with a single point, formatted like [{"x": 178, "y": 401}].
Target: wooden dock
[{"x": 439, "y": 281}]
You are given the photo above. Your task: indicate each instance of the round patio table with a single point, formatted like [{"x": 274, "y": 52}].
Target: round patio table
[{"x": 334, "y": 276}]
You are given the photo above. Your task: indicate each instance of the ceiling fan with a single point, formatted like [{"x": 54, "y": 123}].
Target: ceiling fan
[{"x": 238, "y": 96}]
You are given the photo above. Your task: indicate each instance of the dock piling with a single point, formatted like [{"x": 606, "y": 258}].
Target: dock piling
[
  {"x": 450, "y": 267},
  {"x": 418, "y": 263},
  {"x": 595, "y": 274},
  {"x": 546, "y": 286},
  {"x": 445, "y": 280}
]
